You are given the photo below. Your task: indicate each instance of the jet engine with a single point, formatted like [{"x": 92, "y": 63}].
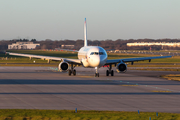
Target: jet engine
[
  {"x": 63, "y": 66},
  {"x": 121, "y": 67}
]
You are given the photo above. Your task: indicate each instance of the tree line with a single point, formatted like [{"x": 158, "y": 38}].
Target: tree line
[{"x": 119, "y": 44}]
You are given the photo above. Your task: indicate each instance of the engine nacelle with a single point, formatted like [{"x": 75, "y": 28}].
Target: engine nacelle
[
  {"x": 121, "y": 67},
  {"x": 63, "y": 66}
]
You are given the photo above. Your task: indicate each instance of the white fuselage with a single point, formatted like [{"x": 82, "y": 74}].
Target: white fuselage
[{"x": 92, "y": 56}]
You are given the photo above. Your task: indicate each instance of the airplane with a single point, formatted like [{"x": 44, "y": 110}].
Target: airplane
[{"x": 91, "y": 57}]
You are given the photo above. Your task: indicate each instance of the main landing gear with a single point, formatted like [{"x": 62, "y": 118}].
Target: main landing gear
[
  {"x": 96, "y": 74},
  {"x": 72, "y": 70},
  {"x": 110, "y": 71}
]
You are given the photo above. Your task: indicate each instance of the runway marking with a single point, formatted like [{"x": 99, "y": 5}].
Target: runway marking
[
  {"x": 136, "y": 84},
  {"x": 160, "y": 91},
  {"x": 128, "y": 85},
  {"x": 86, "y": 76},
  {"x": 55, "y": 69}
]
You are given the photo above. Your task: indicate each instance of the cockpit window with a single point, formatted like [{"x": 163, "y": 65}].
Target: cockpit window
[
  {"x": 97, "y": 53},
  {"x": 92, "y": 53},
  {"x": 101, "y": 53}
]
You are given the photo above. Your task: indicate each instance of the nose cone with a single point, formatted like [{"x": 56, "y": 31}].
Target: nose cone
[{"x": 96, "y": 61}]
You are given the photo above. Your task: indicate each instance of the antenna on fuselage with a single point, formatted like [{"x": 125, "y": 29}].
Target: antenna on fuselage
[{"x": 85, "y": 33}]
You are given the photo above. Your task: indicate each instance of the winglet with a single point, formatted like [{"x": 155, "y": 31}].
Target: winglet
[{"x": 85, "y": 33}]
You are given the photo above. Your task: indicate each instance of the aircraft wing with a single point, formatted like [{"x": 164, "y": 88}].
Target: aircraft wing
[
  {"x": 75, "y": 61},
  {"x": 113, "y": 61}
]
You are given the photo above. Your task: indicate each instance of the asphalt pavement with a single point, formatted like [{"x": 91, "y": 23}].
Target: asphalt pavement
[{"x": 47, "y": 88}]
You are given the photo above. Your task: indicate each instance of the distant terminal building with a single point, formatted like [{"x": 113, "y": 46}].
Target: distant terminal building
[
  {"x": 171, "y": 44},
  {"x": 67, "y": 46},
  {"x": 23, "y": 45}
]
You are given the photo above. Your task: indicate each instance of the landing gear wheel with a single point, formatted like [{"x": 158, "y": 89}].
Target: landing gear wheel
[
  {"x": 74, "y": 72},
  {"x": 112, "y": 73},
  {"x": 69, "y": 72},
  {"x": 96, "y": 74},
  {"x": 107, "y": 72}
]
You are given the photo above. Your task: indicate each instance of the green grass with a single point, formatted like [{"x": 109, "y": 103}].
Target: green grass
[
  {"x": 175, "y": 59},
  {"x": 22, "y": 61},
  {"x": 31, "y": 65},
  {"x": 47, "y": 53},
  {"x": 155, "y": 69},
  {"x": 172, "y": 77},
  {"x": 20, "y": 114}
]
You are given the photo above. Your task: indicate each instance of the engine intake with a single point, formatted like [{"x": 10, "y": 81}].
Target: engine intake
[
  {"x": 121, "y": 67},
  {"x": 63, "y": 66}
]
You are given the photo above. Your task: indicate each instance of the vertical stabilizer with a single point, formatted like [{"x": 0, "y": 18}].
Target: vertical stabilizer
[{"x": 85, "y": 33}]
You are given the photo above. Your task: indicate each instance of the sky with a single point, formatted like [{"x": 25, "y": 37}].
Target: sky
[{"x": 106, "y": 19}]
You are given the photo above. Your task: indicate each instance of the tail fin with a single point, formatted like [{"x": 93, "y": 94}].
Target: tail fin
[{"x": 85, "y": 33}]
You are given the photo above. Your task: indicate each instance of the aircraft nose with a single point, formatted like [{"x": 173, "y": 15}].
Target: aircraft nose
[{"x": 96, "y": 61}]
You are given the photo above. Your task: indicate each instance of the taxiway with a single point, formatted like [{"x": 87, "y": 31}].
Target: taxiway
[{"x": 46, "y": 88}]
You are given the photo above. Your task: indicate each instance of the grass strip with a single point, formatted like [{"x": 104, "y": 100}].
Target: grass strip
[
  {"x": 30, "y": 65},
  {"x": 175, "y": 77},
  {"x": 24, "y": 114},
  {"x": 155, "y": 69}
]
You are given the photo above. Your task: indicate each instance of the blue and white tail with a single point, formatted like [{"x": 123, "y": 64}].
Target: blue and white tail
[{"x": 85, "y": 33}]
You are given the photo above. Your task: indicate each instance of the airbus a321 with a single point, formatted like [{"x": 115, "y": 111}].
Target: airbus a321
[{"x": 91, "y": 57}]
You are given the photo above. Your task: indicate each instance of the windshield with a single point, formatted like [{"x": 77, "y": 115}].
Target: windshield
[{"x": 97, "y": 53}]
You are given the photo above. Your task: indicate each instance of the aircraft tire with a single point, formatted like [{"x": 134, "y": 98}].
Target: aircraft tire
[
  {"x": 97, "y": 74},
  {"x": 74, "y": 72},
  {"x": 107, "y": 72},
  {"x": 69, "y": 72},
  {"x": 112, "y": 73}
]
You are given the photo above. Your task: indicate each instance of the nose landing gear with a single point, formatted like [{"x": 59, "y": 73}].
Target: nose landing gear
[
  {"x": 96, "y": 74},
  {"x": 110, "y": 71}
]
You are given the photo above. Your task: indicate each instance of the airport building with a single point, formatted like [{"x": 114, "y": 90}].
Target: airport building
[
  {"x": 67, "y": 46},
  {"x": 23, "y": 45},
  {"x": 171, "y": 44}
]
